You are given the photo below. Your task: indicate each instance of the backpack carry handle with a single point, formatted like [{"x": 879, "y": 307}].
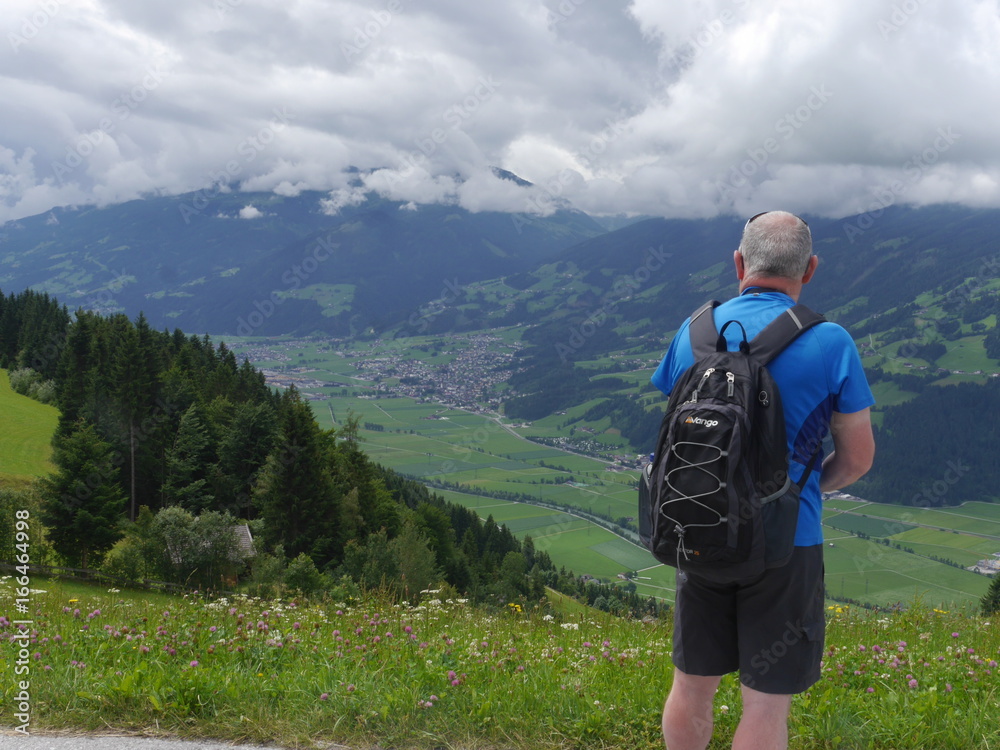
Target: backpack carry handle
[
  {"x": 721, "y": 345},
  {"x": 794, "y": 321}
]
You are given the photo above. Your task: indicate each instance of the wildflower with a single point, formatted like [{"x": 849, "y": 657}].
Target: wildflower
[
  {"x": 351, "y": 688},
  {"x": 324, "y": 696},
  {"x": 194, "y": 663},
  {"x": 870, "y": 690},
  {"x": 912, "y": 683}
]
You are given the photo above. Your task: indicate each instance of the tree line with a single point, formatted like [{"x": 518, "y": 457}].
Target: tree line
[{"x": 165, "y": 443}]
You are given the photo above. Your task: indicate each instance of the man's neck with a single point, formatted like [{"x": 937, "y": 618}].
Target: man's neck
[{"x": 774, "y": 284}]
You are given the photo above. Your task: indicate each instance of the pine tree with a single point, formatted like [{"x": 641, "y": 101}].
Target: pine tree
[
  {"x": 82, "y": 501},
  {"x": 990, "y": 603},
  {"x": 417, "y": 570},
  {"x": 188, "y": 460},
  {"x": 295, "y": 492},
  {"x": 134, "y": 380},
  {"x": 71, "y": 373},
  {"x": 244, "y": 445}
]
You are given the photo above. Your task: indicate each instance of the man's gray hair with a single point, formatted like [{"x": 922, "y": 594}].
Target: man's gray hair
[{"x": 776, "y": 243}]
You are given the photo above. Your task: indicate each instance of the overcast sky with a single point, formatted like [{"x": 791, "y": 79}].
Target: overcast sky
[{"x": 680, "y": 108}]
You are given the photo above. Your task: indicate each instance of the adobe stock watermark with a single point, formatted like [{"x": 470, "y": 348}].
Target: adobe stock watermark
[
  {"x": 764, "y": 660},
  {"x": 454, "y": 116},
  {"x": 708, "y": 35},
  {"x": 224, "y": 7},
  {"x": 418, "y": 322},
  {"x": 654, "y": 261},
  {"x": 293, "y": 279},
  {"x": 103, "y": 299},
  {"x": 544, "y": 200},
  {"x": 248, "y": 149},
  {"x": 900, "y": 16},
  {"x": 988, "y": 270},
  {"x": 913, "y": 170},
  {"x": 930, "y": 495},
  {"x": 785, "y": 129},
  {"x": 366, "y": 34},
  {"x": 31, "y": 25},
  {"x": 122, "y": 108},
  {"x": 20, "y": 639},
  {"x": 480, "y": 437},
  {"x": 564, "y": 10}
]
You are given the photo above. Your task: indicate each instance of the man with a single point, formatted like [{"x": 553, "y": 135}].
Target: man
[{"x": 770, "y": 628}]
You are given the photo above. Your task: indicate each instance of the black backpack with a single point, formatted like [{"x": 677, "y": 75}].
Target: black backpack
[{"x": 716, "y": 499}]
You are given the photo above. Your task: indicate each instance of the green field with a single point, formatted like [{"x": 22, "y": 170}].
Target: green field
[
  {"x": 494, "y": 462},
  {"x": 575, "y": 543},
  {"x": 25, "y": 450}
]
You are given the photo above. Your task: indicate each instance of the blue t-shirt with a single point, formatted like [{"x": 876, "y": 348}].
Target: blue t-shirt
[{"x": 819, "y": 373}]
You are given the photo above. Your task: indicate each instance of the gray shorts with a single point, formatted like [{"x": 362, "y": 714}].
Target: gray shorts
[{"x": 770, "y": 628}]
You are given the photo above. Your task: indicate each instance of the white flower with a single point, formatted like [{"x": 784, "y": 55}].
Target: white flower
[{"x": 570, "y": 626}]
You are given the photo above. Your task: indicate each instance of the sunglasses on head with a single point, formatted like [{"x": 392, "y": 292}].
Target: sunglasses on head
[{"x": 757, "y": 216}]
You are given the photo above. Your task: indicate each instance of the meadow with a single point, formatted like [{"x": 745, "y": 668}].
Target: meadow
[
  {"x": 25, "y": 452},
  {"x": 439, "y": 673}
]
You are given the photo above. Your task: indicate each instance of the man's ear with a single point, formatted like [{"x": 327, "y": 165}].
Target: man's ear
[
  {"x": 741, "y": 269},
  {"x": 810, "y": 269}
]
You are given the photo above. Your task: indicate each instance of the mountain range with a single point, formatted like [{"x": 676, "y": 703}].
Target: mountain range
[{"x": 919, "y": 288}]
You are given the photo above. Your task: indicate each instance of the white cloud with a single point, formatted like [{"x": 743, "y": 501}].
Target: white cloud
[
  {"x": 648, "y": 106},
  {"x": 250, "y": 212}
]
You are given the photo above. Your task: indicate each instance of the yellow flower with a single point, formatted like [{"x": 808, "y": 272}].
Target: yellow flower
[{"x": 73, "y": 601}]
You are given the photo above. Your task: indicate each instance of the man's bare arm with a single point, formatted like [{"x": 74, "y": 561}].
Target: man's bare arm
[{"x": 853, "y": 450}]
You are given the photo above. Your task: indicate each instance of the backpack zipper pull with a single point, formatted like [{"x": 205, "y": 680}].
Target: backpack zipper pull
[
  {"x": 705, "y": 376},
  {"x": 731, "y": 380}
]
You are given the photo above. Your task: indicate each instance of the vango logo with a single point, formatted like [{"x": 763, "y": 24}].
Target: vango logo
[{"x": 702, "y": 422}]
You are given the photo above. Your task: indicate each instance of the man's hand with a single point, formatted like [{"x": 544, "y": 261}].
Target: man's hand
[{"x": 853, "y": 450}]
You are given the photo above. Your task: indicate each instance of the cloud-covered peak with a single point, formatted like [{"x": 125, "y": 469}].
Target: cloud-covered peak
[{"x": 641, "y": 107}]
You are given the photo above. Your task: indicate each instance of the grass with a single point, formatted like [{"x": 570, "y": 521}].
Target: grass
[
  {"x": 441, "y": 673},
  {"x": 25, "y": 450}
]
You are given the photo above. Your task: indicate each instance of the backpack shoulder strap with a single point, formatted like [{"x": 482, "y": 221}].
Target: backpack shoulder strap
[
  {"x": 782, "y": 331},
  {"x": 702, "y": 330}
]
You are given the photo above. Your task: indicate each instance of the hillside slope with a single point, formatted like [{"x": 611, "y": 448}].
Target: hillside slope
[{"x": 25, "y": 450}]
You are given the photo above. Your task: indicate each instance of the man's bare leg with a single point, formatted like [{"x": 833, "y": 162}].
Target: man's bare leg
[
  {"x": 764, "y": 723},
  {"x": 687, "y": 714}
]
